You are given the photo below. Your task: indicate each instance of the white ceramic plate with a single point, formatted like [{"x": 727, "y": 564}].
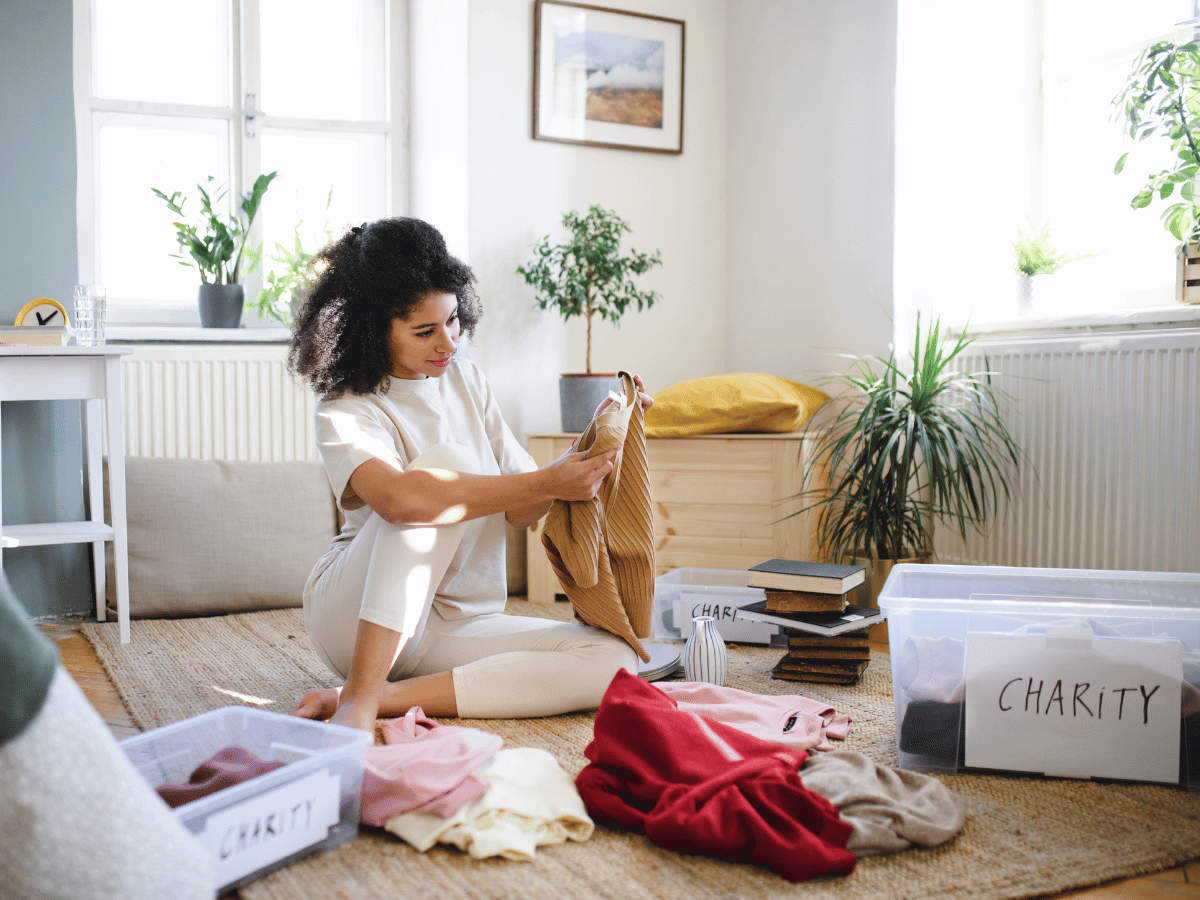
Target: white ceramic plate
[{"x": 664, "y": 661}]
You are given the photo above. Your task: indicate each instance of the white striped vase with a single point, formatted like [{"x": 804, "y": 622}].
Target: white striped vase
[{"x": 704, "y": 656}]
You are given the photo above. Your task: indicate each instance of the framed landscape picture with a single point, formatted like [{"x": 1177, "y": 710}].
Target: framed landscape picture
[{"x": 607, "y": 78}]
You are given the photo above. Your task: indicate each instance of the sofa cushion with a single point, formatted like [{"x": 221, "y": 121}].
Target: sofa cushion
[{"x": 219, "y": 536}]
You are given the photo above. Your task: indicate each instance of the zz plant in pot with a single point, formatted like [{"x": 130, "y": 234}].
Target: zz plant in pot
[
  {"x": 587, "y": 275},
  {"x": 215, "y": 244},
  {"x": 903, "y": 446}
]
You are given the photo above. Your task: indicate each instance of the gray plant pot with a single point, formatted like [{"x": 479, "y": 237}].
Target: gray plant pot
[
  {"x": 579, "y": 395},
  {"x": 221, "y": 305}
]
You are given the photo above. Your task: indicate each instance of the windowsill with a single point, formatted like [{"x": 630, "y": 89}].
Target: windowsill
[
  {"x": 140, "y": 334},
  {"x": 1176, "y": 316}
]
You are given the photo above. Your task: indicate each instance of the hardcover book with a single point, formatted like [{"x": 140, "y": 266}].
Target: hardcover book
[
  {"x": 795, "y": 575},
  {"x": 802, "y": 654},
  {"x": 805, "y": 601},
  {"x": 798, "y": 639},
  {"x": 852, "y": 618},
  {"x": 33, "y": 336},
  {"x": 837, "y": 676}
]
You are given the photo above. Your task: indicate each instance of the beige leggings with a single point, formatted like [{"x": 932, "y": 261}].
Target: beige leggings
[{"x": 503, "y": 666}]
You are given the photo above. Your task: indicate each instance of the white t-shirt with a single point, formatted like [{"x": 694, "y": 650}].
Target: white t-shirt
[{"x": 402, "y": 420}]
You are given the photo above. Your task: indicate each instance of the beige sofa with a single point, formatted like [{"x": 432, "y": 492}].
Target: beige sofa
[
  {"x": 208, "y": 537},
  {"x": 214, "y": 536}
]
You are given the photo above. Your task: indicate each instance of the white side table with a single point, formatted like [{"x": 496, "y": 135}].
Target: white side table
[{"x": 93, "y": 375}]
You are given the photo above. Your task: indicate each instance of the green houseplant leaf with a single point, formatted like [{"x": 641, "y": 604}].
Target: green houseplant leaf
[
  {"x": 904, "y": 446},
  {"x": 586, "y": 275},
  {"x": 291, "y": 275},
  {"x": 215, "y": 241},
  {"x": 1162, "y": 96}
]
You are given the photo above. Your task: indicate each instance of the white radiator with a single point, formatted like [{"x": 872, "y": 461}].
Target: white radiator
[
  {"x": 216, "y": 401},
  {"x": 1108, "y": 423}
]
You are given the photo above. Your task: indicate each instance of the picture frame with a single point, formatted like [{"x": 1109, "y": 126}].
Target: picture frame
[{"x": 607, "y": 77}]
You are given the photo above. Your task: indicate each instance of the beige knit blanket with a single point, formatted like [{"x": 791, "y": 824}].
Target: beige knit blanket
[{"x": 602, "y": 550}]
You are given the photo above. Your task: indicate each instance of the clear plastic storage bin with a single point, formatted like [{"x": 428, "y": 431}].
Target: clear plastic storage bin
[
  {"x": 312, "y": 803},
  {"x": 976, "y": 647},
  {"x": 683, "y": 593}
]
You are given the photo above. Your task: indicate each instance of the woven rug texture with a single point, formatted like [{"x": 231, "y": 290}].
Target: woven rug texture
[{"x": 1024, "y": 836}]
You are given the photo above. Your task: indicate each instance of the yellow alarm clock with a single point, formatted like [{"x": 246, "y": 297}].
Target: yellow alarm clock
[{"x": 42, "y": 311}]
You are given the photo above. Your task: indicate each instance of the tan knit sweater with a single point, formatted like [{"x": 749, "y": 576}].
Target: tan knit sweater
[{"x": 602, "y": 550}]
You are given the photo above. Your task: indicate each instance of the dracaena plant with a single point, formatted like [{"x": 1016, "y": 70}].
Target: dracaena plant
[
  {"x": 587, "y": 275},
  {"x": 1162, "y": 96},
  {"x": 215, "y": 241},
  {"x": 903, "y": 446}
]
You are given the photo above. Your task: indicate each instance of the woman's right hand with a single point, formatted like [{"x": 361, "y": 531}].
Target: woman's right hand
[{"x": 573, "y": 476}]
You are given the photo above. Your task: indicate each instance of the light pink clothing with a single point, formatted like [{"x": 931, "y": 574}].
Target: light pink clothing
[
  {"x": 424, "y": 766},
  {"x": 791, "y": 720}
]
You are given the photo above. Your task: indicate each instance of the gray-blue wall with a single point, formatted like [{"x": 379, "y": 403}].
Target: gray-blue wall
[{"x": 40, "y": 442}]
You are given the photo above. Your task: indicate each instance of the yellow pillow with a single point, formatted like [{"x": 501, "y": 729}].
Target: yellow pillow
[{"x": 745, "y": 401}]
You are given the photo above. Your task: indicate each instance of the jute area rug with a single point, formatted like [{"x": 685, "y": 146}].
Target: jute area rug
[{"x": 1024, "y": 837}]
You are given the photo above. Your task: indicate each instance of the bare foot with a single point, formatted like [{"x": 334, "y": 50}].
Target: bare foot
[
  {"x": 356, "y": 715},
  {"x": 320, "y": 705}
]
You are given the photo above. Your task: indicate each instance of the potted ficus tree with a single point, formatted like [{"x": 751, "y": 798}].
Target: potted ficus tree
[
  {"x": 902, "y": 447},
  {"x": 1162, "y": 96},
  {"x": 587, "y": 275},
  {"x": 215, "y": 243}
]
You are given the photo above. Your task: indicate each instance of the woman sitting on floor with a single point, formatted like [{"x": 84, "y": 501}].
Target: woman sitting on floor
[{"x": 407, "y": 604}]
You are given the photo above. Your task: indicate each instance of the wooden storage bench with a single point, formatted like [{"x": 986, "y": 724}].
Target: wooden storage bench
[{"x": 721, "y": 501}]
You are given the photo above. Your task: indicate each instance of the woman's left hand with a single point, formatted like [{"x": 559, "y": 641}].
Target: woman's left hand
[{"x": 645, "y": 399}]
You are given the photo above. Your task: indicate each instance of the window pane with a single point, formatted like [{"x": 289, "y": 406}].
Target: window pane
[
  {"x": 134, "y": 237},
  {"x": 323, "y": 60},
  {"x": 1089, "y": 49},
  {"x": 1081, "y": 30},
  {"x": 149, "y": 50},
  {"x": 345, "y": 169}
]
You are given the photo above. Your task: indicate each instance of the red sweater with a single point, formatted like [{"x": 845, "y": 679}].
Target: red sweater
[{"x": 695, "y": 785}]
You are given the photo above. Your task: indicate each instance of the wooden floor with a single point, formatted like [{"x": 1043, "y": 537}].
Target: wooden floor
[{"x": 81, "y": 661}]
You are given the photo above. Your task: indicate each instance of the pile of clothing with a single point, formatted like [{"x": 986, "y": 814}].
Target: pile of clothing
[{"x": 695, "y": 767}]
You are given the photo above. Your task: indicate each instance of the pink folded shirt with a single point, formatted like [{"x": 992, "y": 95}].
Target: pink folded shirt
[
  {"x": 424, "y": 766},
  {"x": 791, "y": 720}
]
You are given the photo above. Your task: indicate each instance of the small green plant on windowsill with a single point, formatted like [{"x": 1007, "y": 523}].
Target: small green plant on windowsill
[
  {"x": 293, "y": 273},
  {"x": 1035, "y": 255}
]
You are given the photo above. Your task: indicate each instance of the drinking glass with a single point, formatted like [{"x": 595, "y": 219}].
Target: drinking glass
[{"x": 88, "y": 327}]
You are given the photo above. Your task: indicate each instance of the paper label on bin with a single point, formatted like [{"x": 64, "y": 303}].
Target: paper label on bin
[
  {"x": 1061, "y": 705},
  {"x": 271, "y": 826},
  {"x": 723, "y": 608}
]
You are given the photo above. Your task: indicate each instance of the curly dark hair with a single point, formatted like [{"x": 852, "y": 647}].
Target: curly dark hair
[{"x": 373, "y": 274}]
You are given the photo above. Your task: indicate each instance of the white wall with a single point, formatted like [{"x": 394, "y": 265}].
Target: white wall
[
  {"x": 810, "y": 94},
  {"x": 520, "y": 188},
  {"x": 775, "y": 223}
]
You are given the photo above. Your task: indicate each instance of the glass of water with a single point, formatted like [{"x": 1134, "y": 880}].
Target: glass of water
[{"x": 90, "y": 301}]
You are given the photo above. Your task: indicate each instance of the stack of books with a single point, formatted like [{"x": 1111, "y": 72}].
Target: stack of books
[{"x": 827, "y": 634}]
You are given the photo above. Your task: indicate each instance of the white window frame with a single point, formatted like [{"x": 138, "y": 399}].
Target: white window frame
[{"x": 243, "y": 151}]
